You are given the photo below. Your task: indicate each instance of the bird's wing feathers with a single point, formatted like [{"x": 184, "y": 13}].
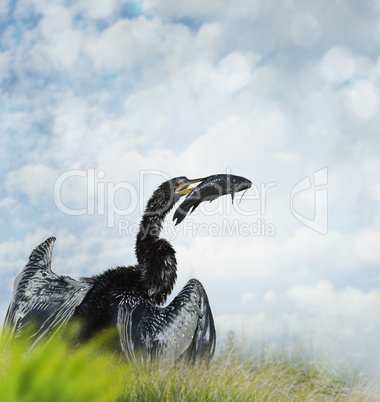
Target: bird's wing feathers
[
  {"x": 42, "y": 297},
  {"x": 183, "y": 329}
]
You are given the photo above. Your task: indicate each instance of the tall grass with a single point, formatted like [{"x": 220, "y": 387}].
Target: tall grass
[{"x": 91, "y": 373}]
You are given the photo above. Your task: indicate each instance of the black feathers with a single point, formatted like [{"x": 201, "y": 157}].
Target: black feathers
[
  {"x": 126, "y": 298},
  {"x": 42, "y": 297},
  {"x": 182, "y": 330}
]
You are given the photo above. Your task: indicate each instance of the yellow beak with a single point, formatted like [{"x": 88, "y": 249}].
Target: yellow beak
[{"x": 184, "y": 188}]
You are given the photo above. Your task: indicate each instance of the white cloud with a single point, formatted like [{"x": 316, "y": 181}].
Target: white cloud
[
  {"x": 5, "y": 61},
  {"x": 239, "y": 138},
  {"x": 342, "y": 320},
  {"x": 343, "y": 315},
  {"x": 338, "y": 65},
  {"x": 234, "y": 70},
  {"x": 367, "y": 246},
  {"x": 214, "y": 9},
  {"x": 125, "y": 44},
  {"x": 305, "y": 30},
  {"x": 61, "y": 50},
  {"x": 252, "y": 326},
  {"x": 362, "y": 99},
  {"x": 378, "y": 66},
  {"x": 34, "y": 181},
  {"x": 56, "y": 19},
  {"x": 95, "y": 9},
  {"x": 270, "y": 296},
  {"x": 247, "y": 298}
]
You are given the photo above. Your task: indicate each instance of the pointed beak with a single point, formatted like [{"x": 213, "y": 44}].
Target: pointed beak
[{"x": 185, "y": 188}]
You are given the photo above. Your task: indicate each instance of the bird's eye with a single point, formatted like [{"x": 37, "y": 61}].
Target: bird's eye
[{"x": 176, "y": 184}]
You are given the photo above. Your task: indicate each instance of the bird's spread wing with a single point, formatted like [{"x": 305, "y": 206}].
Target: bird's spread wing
[
  {"x": 41, "y": 297},
  {"x": 182, "y": 330}
]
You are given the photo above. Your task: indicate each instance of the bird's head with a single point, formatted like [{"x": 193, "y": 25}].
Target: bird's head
[{"x": 168, "y": 193}]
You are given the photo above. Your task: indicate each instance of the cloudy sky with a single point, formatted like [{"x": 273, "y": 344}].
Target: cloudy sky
[{"x": 101, "y": 101}]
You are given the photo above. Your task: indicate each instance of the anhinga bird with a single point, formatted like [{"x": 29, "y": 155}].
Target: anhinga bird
[{"x": 128, "y": 298}]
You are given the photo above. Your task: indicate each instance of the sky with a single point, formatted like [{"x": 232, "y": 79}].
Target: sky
[{"x": 101, "y": 101}]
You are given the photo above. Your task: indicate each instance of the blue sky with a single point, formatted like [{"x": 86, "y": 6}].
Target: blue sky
[{"x": 102, "y": 101}]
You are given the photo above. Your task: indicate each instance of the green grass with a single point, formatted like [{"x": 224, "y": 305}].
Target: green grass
[{"x": 91, "y": 373}]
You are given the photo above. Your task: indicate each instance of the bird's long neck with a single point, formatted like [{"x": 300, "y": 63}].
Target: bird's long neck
[{"x": 155, "y": 255}]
